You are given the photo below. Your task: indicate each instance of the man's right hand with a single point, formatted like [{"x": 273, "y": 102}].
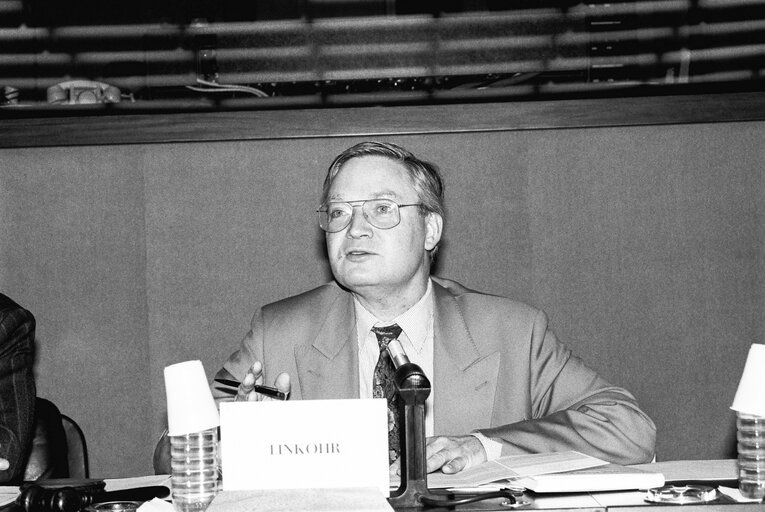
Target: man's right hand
[{"x": 255, "y": 376}]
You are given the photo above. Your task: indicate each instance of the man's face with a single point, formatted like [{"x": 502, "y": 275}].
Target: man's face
[{"x": 364, "y": 257}]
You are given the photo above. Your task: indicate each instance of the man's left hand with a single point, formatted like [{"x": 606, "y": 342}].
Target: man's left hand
[{"x": 452, "y": 454}]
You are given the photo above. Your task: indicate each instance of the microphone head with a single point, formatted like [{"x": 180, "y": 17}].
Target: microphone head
[{"x": 397, "y": 354}]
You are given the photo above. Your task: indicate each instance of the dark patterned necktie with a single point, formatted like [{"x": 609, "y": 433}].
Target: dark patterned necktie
[{"x": 383, "y": 385}]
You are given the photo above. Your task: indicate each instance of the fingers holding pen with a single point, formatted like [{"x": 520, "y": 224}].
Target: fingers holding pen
[
  {"x": 283, "y": 384},
  {"x": 252, "y": 389},
  {"x": 246, "y": 391}
]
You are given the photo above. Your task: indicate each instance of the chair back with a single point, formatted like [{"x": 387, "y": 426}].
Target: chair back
[
  {"x": 77, "y": 449},
  {"x": 58, "y": 447}
]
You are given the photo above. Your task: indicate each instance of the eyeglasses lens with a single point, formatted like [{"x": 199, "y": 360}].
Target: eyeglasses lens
[{"x": 380, "y": 213}]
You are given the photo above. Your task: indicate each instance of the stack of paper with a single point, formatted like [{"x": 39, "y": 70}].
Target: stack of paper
[
  {"x": 514, "y": 466},
  {"x": 8, "y": 494},
  {"x": 301, "y": 500},
  {"x": 611, "y": 477},
  {"x": 568, "y": 471}
]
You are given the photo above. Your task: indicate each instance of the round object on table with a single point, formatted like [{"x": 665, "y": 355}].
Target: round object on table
[
  {"x": 115, "y": 506},
  {"x": 682, "y": 494}
]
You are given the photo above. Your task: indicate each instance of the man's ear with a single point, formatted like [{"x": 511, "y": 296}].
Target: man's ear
[{"x": 434, "y": 225}]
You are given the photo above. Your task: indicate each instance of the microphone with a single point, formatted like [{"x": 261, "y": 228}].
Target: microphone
[
  {"x": 407, "y": 373},
  {"x": 397, "y": 354},
  {"x": 413, "y": 388}
]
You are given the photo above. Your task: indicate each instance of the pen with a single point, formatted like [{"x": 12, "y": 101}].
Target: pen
[{"x": 263, "y": 390}]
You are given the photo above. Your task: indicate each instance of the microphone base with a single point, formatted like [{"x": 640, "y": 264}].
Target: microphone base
[{"x": 408, "y": 495}]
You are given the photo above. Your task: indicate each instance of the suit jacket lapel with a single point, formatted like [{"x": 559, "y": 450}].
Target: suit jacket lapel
[
  {"x": 329, "y": 365},
  {"x": 465, "y": 377},
  {"x": 465, "y": 372}
]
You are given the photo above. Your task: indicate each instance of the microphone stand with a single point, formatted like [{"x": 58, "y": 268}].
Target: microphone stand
[{"x": 413, "y": 388}]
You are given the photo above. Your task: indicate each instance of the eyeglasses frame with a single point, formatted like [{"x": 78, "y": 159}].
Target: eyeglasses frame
[{"x": 360, "y": 203}]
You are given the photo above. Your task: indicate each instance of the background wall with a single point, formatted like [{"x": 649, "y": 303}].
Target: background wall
[{"x": 643, "y": 243}]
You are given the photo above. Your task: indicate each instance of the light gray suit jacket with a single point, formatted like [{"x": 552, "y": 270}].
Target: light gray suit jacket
[{"x": 498, "y": 370}]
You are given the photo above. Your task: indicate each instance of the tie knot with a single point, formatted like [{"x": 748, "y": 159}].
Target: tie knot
[{"x": 385, "y": 334}]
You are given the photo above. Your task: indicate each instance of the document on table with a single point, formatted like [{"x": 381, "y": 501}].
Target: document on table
[
  {"x": 119, "y": 484},
  {"x": 611, "y": 477},
  {"x": 694, "y": 470},
  {"x": 8, "y": 494},
  {"x": 514, "y": 466},
  {"x": 357, "y": 499}
]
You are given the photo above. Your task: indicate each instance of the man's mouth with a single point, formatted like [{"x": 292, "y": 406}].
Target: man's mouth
[{"x": 357, "y": 253}]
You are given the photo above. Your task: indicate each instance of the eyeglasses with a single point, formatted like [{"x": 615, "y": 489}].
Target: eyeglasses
[{"x": 381, "y": 213}]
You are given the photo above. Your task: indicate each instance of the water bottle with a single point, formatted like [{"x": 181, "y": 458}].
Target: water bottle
[
  {"x": 751, "y": 455},
  {"x": 194, "y": 470}
]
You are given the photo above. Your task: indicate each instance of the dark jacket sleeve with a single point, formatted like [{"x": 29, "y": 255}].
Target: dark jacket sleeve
[{"x": 17, "y": 386}]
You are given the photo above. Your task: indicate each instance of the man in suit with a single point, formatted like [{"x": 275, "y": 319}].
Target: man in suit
[
  {"x": 501, "y": 381},
  {"x": 17, "y": 388}
]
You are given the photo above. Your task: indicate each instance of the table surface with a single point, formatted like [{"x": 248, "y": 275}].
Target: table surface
[{"x": 722, "y": 473}]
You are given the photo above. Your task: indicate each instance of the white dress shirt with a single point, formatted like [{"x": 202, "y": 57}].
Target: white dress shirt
[{"x": 417, "y": 341}]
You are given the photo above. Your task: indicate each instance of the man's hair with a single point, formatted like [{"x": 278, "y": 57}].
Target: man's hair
[{"x": 424, "y": 176}]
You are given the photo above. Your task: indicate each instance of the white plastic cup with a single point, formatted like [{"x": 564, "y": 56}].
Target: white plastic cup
[{"x": 190, "y": 405}]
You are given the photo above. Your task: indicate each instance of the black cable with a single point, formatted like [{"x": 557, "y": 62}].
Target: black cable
[{"x": 435, "y": 502}]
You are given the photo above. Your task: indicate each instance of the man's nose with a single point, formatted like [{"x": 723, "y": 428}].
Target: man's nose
[{"x": 359, "y": 225}]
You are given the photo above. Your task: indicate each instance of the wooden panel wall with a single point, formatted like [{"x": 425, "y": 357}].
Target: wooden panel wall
[{"x": 644, "y": 243}]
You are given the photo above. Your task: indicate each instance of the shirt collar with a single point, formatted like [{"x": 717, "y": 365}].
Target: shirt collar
[{"x": 414, "y": 322}]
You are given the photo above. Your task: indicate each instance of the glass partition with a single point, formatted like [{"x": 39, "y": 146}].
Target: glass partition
[{"x": 66, "y": 57}]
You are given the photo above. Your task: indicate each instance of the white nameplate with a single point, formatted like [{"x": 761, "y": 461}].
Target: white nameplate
[{"x": 304, "y": 444}]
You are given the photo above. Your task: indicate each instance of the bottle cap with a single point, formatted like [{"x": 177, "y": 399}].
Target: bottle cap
[
  {"x": 190, "y": 405},
  {"x": 750, "y": 396}
]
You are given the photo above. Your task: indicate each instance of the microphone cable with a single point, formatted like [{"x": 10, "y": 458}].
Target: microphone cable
[{"x": 453, "y": 502}]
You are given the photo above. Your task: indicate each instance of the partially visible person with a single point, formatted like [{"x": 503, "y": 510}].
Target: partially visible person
[{"x": 17, "y": 388}]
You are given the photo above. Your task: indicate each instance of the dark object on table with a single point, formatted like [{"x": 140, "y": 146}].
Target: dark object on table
[{"x": 69, "y": 495}]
